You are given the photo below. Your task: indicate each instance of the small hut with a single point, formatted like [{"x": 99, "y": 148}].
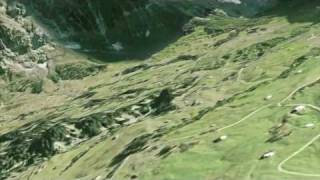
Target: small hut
[
  {"x": 267, "y": 155},
  {"x": 221, "y": 138}
]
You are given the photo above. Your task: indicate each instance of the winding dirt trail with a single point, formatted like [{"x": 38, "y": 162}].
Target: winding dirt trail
[
  {"x": 283, "y": 170},
  {"x": 297, "y": 90},
  {"x": 225, "y": 127},
  {"x": 259, "y": 109},
  {"x": 124, "y": 162},
  {"x": 314, "y": 139},
  {"x": 280, "y": 166}
]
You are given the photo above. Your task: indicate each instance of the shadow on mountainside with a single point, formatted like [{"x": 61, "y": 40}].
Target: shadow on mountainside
[
  {"x": 115, "y": 30},
  {"x": 297, "y": 11}
]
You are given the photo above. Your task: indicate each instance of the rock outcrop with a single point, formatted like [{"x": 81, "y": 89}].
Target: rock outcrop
[{"x": 23, "y": 46}]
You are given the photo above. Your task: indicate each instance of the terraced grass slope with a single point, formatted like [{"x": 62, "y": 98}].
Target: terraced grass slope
[{"x": 235, "y": 99}]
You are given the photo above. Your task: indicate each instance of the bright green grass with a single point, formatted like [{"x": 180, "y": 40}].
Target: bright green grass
[{"x": 233, "y": 159}]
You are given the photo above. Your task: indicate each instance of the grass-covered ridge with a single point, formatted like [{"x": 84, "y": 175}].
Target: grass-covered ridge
[{"x": 208, "y": 106}]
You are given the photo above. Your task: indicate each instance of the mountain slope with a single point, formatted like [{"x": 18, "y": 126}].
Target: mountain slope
[
  {"x": 207, "y": 106},
  {"x": 118, "y": 29}
]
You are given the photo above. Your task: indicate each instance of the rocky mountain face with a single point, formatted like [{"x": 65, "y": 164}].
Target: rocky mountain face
[
  {"x": 127, "y": 28},
  {"x": 111, "y": 29},
  {"x": 23, "y": 46},
  {"x": 224, "y": 90}
]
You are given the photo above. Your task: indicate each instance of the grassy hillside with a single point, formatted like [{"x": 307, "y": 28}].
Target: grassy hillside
[{"x": 254, "y": 82}]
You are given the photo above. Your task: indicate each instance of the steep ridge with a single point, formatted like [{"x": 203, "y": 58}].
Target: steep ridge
[{"x": 113, "y": 27}]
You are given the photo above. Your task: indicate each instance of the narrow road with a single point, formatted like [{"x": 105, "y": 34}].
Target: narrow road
[
  {"x": 297, "y": 90},
  {"x": 245, "y": 118},
  {"x": 281, "y": 164},
  {"x": 186, "y": 137},
  {"x": 258, "y": 110},
  {"x": 124, "y": 162},
  {"x": 225, "y": 127}
]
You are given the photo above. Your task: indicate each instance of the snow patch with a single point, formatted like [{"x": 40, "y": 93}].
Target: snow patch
[
  {"x": 117, "y": 46},
  {"x": 230, "y": 1}
]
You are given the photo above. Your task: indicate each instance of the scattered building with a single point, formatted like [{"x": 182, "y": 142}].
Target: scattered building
[
  {"x": 269, "y": 97},
  {"x": 310, "y": 125},
  {"x": 221, "y": 138},
  {"x": 299, "y": 109},
  {"x": 267, "y": 155}
]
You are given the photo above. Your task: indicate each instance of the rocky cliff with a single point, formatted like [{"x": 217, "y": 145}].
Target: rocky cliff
[
  {"x": 126, "y": 28},
  {"x": 23, "y": 45}
]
